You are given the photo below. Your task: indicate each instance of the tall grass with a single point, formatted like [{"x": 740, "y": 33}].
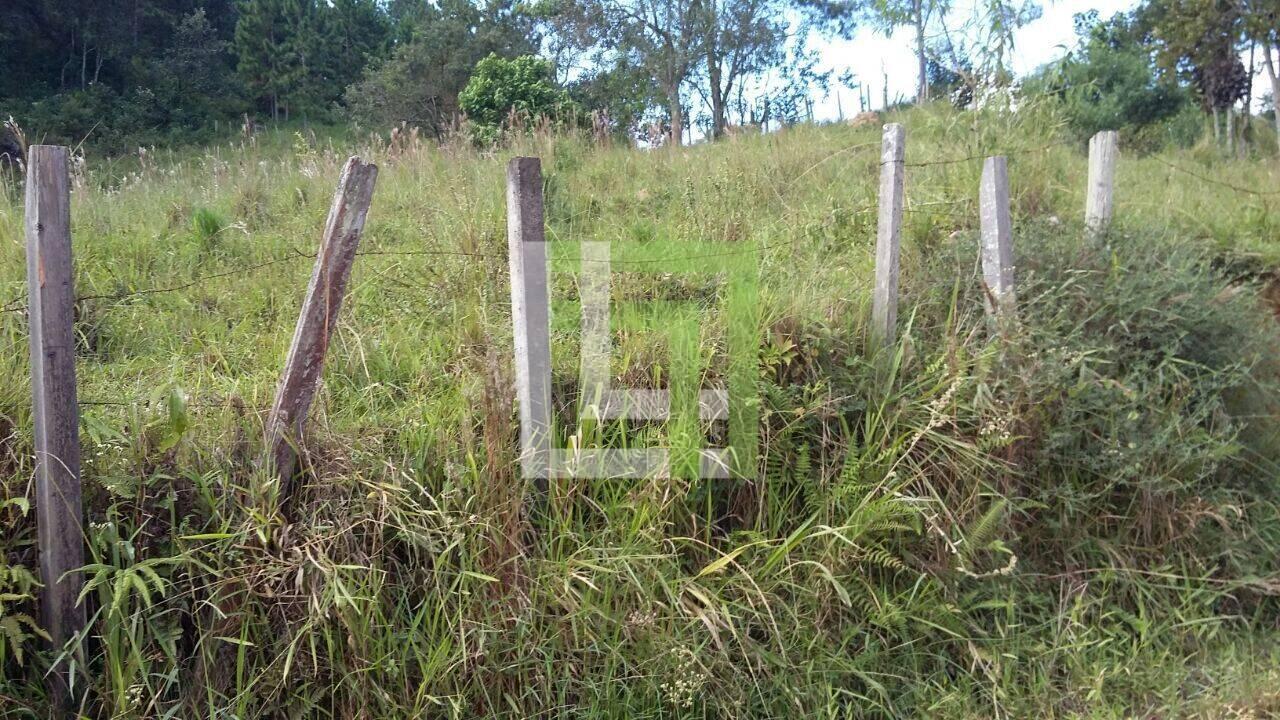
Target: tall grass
[{"x": 1071, "y": 519}]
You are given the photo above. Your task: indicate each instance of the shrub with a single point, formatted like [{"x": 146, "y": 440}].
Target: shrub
[
  {"x": 1136, "y": 400},
  {"x": 520, "y": 89},
  {"x": 1109, "y": 83}
]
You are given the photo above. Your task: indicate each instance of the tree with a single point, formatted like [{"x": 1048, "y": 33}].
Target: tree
[
  {"x": 1262, "y": 25},
  {"x": 420, "y": 82},
  {"x": 193, "y": 78},
  {"x": 662, "y": 36},
  {"x": 712, "y": 47},
  {"x": 892, "y": 14},
  {"x": 741, "y": 38},
  {"x": 1108, "y": 81},
  {"x": 352, "y": 35},
  {"x": 621, "y": 95},
  {"x": 268, "y": 49},
  {"x": 1199, "y": 41},
  {"x": 978, "y": 48}
]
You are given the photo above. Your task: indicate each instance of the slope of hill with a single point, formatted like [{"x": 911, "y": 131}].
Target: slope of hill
[{"x": 1073, "y": 520}]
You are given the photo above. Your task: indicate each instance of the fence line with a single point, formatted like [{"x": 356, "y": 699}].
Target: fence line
[
  {"x": 1198, "y": 176},
  {"x": 53, "y": 299},
  {"x": 18, "y": 304}
]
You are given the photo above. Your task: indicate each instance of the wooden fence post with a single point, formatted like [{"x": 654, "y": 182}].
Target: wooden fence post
[
  {"x": 318, "y": 319},
  {"x": 997, "y": 238},
  {"x": 1099, "y": 202},
  {"x": 59, "y": 511},
  {"x": 884, "y": 301},
  {"x": 530, "y": 316}
]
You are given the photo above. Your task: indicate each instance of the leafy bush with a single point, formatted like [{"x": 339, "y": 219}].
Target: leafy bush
[
  {"x": 1132, "y": 394},
  {"x": 521, "y": 89}
]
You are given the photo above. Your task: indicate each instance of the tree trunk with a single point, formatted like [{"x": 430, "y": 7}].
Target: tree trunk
[
  {"x": 1217, "y": 135},
  {"x": 1275, "y": 84},
  {"x": 677, "y": 115},
  {"x": 1246, "y": 127},
  {"x": 1231, "y": 129},
  {"x": 718, "y": 123},
  {"x": 715, "y": 73},
  {"x": 922, "y": 87}
]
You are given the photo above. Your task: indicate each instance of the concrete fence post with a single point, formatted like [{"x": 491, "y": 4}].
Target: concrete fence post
[
  {"x": 997, "y": 238},
  {"x": 1104, "y": 149},
  {"x": 884, "y": 301}
]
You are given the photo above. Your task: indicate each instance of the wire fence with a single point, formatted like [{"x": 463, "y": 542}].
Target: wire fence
[
  {"x": 966, "y": 212},
  {"x": 1215, "y": 181}
]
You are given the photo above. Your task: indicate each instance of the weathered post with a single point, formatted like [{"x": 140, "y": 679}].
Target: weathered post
[
  {"x": 997, "y": 238},
  {"x": 884, "y": 301},
  {"x": 59, "y": 512},
  {"x": 530, "y": 316},
  {"x": 318, "y": 319},
  {"x": 1099, "y": 201}
]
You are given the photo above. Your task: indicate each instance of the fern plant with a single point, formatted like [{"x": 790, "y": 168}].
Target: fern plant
[{"x": 17, "y": 589}]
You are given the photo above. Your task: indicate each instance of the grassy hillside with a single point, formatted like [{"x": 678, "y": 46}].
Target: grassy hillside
[{"x": 1071, "y": 521}]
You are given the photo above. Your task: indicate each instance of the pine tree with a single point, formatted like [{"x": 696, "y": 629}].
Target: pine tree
[
  {"x": 359, "y": 32},
  {"x": 267, "y": 50}
]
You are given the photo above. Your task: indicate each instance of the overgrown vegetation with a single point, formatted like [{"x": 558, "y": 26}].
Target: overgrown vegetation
[{"x": 1074, "y": 519}]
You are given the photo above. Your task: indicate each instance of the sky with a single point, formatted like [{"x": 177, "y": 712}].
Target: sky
[{"x": 870, "y": 54}]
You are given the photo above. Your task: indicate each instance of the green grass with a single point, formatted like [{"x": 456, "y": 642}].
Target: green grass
[{"x": 1074, "y": 520}]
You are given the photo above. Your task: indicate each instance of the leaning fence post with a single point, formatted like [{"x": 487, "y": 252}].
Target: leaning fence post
[
  {"x": 1099, "y": 202},
  {"x": 997, "y": 238},
  {"x": 530, "y": 315},
  {"x": 59, "y": 512},
  {"x": 316, "y": 322},
  {"x": 884, "y": 301}
]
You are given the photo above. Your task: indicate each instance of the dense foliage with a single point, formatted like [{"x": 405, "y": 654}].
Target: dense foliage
[
  {"x": 421, "y": 81},
  {"x": 504, "y": 92},
  {"x": 118, "y": 75},
  {"x": 1109, "y": 81}
]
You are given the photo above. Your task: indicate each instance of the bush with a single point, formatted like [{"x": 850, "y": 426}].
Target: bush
[
  {"x": 1109, "y": 82},
  {"x": 521, "y": 89},
  {"x": 1135, "y": 400}
]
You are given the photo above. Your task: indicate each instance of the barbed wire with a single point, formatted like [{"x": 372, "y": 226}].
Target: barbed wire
[
  {"x": 1207, "y": 179},
  {"x": 19, "y": 304},
  {"x": 446, "y": 253},
  {"x": 984, "y": 156},
  {"x": 192, "y": 283},
  {"x": 226, "y": 403}
]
